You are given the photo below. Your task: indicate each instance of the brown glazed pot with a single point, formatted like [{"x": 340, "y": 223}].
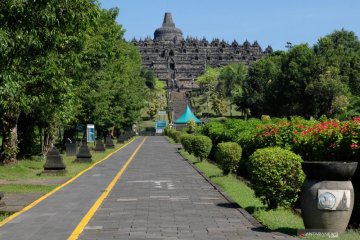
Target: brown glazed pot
[{"x": 327, "y": 195}]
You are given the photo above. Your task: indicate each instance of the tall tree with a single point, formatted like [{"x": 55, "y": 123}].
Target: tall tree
[
  {"x": 298, "y": 70},
  {"x": 207, "y": 83},
  {"x": 327, "y": 93},
  {"x": 257, "y": 95},
  {"x": 34, "y": 35},
  {"x": 341, "y": 49},
  {"x": 111, "y": 90},
  {"x": 231, "y": 80},
  {"x": 297, "y": 82}
]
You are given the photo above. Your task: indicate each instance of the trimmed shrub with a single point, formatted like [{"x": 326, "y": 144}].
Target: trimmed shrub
[
  {"x": 228, "y": 155},
  {"x": 215, "y": 130},
  {"x": 186, "y": 140},
  {"x": 276, "y": 175},
  {"x": 174, "y": 134},
  {"x": 201, "y": 146}
]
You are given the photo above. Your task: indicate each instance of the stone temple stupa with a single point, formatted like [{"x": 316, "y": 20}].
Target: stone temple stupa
[{"x": 179, "y": 61}]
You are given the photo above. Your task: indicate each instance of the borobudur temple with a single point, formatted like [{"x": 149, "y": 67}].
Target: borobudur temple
[{"x": 179, "y": 61}]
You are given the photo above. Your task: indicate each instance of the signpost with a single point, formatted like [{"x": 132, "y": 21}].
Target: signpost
[
  {"x": 90, "y": 133},
  {"x": 159, "y": 126}
]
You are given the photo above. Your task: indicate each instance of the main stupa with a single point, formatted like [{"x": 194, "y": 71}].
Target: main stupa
[
  {"x": 168, "y": 31},
  {"x": 179, "y": 61}
]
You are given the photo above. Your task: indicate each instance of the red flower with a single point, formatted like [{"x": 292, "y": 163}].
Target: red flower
[
  {"x": 354, "y": 146},
  {"x": 357, "y": 119}
]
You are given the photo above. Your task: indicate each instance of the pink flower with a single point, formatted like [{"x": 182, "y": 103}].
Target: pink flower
[
  {"x": 356, "y": 119},
  {"x": 354, "y": 146}
]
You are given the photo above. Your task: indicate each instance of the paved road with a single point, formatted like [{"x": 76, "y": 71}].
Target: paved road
[
  {"x": 160, "y": 196},
  {"x": 57, "y": 216}
]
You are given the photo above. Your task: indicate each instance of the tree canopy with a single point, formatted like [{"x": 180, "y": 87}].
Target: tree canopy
[
  {"x": 307, "y": 81},
  {"x": 64, "y": 63},
  {"x": 322, "y": 80}
]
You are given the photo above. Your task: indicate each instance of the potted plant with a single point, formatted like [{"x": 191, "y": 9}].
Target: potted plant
[
  {"x": 191, "y": 126},
  {"x": 327, "y": 194}
]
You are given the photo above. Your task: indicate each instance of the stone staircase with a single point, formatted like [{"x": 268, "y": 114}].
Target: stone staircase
[{"x": 178, "y": 103}]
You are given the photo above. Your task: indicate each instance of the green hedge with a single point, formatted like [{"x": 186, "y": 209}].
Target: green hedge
[
  {"x": 228, "y": 155},
  {"x": 276, "y": 176},
  {"x": 186, "y": 141},
  {"x": 201, "y": 146},
  {"x": 173, "y": 133}
]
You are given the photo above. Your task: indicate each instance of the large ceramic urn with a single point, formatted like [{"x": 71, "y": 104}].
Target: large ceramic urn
[{"x": 327, "y": 195}]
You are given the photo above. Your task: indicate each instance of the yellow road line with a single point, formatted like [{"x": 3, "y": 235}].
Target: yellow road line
[
  {"x": 85, "y": 220},
  {"x": 33, "y": 204}
]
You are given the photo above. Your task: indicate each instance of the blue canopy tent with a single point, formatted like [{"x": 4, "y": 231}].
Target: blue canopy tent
[{"x": 186, "y": 116}]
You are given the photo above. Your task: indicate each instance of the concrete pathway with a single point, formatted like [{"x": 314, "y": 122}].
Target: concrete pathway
[
  {"x": 56, "y": 217},
  {"x": 159, "y": 196}
]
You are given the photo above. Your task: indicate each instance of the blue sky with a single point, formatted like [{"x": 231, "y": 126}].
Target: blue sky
[{"x": 270, "y": 22}]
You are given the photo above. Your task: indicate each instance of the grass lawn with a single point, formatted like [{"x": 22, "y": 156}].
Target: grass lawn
[
  {"x": 29, "y": 169},
  {"x": 25, "y": 188},
  {"x": 4, "y": 215},
  {"x": 281, "y": 220}
]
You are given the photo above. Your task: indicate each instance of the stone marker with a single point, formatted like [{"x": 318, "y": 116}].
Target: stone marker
[
  {"x": 122, "y": 138},
  {"x": 54, "y": 162},
  {"x": 99, "y": 146},
  {"x": 84, "y": 154},
  {"x": 71, "y": 147},
  {"x": 108, "y": 142},
  {"x": 129, "y": 135},
  {"x": 1, "y": 201}
]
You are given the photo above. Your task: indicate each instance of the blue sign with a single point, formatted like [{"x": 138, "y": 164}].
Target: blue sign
[
  {"x": 90, "y": 133},
  {"x": 160, "y": 124}
]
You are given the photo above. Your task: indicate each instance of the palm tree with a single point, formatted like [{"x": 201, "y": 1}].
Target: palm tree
[{"x": 231, "y": 80}]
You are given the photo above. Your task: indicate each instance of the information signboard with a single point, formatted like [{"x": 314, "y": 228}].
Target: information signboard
[
  {"x": 90, "y": 133},
  {"x": 162, "y": 113},
  {"x": 160, "y": 124}
]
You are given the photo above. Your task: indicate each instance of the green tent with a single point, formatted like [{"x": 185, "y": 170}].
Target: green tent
[{"x": 186, "y": 116}]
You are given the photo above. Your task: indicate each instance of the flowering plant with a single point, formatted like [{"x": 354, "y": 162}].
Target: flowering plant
[
  {"x": 329, "y": 140},
  {"x": 323, "y": 140}
]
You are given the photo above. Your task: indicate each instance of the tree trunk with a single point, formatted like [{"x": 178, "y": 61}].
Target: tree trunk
[
  {"x": 99, "y": 133},
  {"x": 40, "y": 136},
  {"x": 9, "y": 148},
  {"x": 48, "y": 140},
  {"x": 69, "y": 133},
  {"x": 26, "y": 136}
]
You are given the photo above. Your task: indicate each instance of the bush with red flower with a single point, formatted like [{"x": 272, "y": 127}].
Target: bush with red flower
[
  {"x": 329, "y": 140},
  {"x": 324, "y": 140}
]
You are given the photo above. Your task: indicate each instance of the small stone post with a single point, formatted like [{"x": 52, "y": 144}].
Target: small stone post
[
  {"x": 84, "y": 154},
  {"x": 108, "y": 142},
  {"x": 54, "y": 162},
  {"x": 99, "y": 146},
  {"x": 1, "y": 199},
  {"x": 71, "y": 147}
]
